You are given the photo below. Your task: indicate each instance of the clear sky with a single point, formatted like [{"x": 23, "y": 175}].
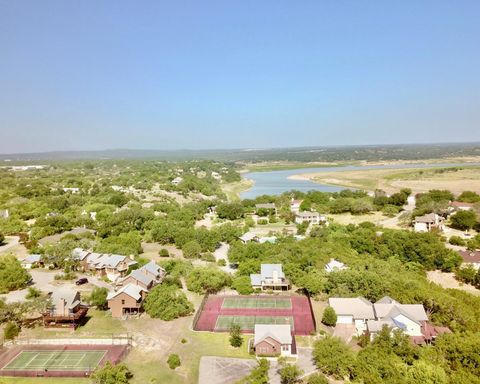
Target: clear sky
[{"x": 80, "y": 75}]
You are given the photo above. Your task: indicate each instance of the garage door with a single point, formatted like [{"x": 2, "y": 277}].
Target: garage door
[{"x": 342, "y": 319}]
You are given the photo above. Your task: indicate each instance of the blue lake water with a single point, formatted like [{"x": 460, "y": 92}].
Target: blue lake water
[{"x": 277, "y": 182}]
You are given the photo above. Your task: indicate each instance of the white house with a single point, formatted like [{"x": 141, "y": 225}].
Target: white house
[
  {"x": 367, "y": 317},
  {"x": 271, "y": 277},
  {"x": 335, "y": 265},
  {"x": 177, "y": 180},
  {"x": 216, "y": 176},
  {"x": 248, "y": 236},
  {"x": 71, "y": 190},
  {"x": 470, "y": 258},
  {"x": 428, "y": 222},
  {"x": 410, "y": 318},
  {"x": 356, "y": 311},
  {"x": 31, "y": 261},
  {"x": 309, "y": 217}
]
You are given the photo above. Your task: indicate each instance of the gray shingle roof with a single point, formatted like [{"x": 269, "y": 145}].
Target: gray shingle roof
[
  {"x": 131, "y": 290},
  {"x": 358, "y": 307},
  {"x": 279, "y": 332},
  {"x": 266, "y": 270}
]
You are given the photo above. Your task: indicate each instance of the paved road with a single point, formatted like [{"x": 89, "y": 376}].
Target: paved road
[
  {"x": 11, "y": 241},
  {"x": 222, "y": 370}
]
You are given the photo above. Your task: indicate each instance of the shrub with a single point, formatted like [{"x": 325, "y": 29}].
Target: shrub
[
  {"x": 11, "y": 331},
  {"x": 329, "y": 317},
  {"x": 208, "y": 257},
  {"x": 98, "y": 297},
  {"x": 457, "y": 240},
  {"x": 66, "y": 276},
  {"x": 222, "y": 262},
  {"x": 236, "y": 339},
  {"x": 183, "y": 341},
  {"x": 317, "y": 378},
  {"x": 289, "y": 374},
  {"x": 163, "y": 252},
  {"x": 262, "y": 221},
  {"x": 33, "y": 293},
  {"x": 192, "y": 250},
  {"x": 207, "y": 280},
  {"x": 109, "y": 374},
  {"x": 173, "y": 361}
]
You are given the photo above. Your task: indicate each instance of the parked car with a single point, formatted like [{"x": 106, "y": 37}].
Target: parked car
[{"x": 81, "y": 281}]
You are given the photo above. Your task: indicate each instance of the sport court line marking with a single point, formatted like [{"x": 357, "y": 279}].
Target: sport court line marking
[{"x": 12, "y": 359}]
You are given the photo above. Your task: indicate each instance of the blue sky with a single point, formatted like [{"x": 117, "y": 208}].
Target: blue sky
[{"x": 79, "y": 75}]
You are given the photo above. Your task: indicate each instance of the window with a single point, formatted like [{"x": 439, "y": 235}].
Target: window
[
  {"x": 123, "y": 302},
  {"x": 285, "y": 347}
]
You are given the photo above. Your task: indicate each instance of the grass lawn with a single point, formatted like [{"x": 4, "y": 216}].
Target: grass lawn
[
  {"x": 43, "y": 380},
  {"x": 147, "y": 368},
  {"x": 100, "y": 324}
]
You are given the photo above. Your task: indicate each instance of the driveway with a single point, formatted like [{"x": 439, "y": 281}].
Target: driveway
[
  {"x": 221, "y": 253},
  {"x": 344, "y": 331},
  {"x": 223, "y": 370},
  {"x": 304, "y": 362}
]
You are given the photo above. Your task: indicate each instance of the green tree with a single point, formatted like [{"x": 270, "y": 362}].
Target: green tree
[
  {"x": 259, "y": 374},
  {"x": 469, "y": 197},
  {"x": 207, "y": 280},
  {"x": 192, "y": 250},
  {"x": 12, "y": 275},
  {"x": 329, "y": 317},
  {"x": 242, "y": 285},
  {"x": 333, "y": 357},
  {"x": 230, "y": 211},
  {"x": 166, "y": 302},
  {"x": 425, "y": 373},
  {"x": 236, "y": 339},
  {"x": 313, "y": 282},
  {"x": 290, "y": 374},
  {"x": 98, "y": 297},
  {"x": 111, "y": 374},
  {"x": 11, "y": 331},
  {"x": 463, "y": 220},
  {"x": 173, "y": 361},
  {"x": 2, "y": 238}
]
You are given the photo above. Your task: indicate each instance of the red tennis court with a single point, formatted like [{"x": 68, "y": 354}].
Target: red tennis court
[{"x": 261, "y": 307}]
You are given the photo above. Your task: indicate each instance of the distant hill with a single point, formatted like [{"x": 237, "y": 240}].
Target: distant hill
[{"x": 304, "y": 154}]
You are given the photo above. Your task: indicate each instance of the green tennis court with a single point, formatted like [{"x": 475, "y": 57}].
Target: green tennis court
[
  {"x": 247, "y": 323},
  {"x": 257, "y": 302},
  {"x": 56, "y": 360}
]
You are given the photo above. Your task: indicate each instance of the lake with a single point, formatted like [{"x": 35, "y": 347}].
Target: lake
[{"x": 277, "y": 182}]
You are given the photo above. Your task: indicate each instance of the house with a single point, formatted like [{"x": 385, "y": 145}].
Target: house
[
  {"x": 111, "y": 266},
  {"x": 271, "y": 277},
  {"x": 371, "y": 318},
  {"x": 309, "y": 217},
  {"x": 295, "y": 205},
  {"x": 428, "y": 222},
  {"x": 71, "y": 190},
  {"x": 216, "y": 176},
  {"x": 269, "y": 207},
  {"x": 410, "y": 318},
  {"x": 460, "y": 206},
  {"x": 146, "y": 277},
  {"x": 249, "y": 236},
  {"x": 4, "y": 213},
  {"x": 32, "y": 261},
  {"x": 267, "y": 239},
  {"x": 127, "y": 300},
  {"x": 334, "y": 265},
  {"x": 353, "y": 311},
  {"x": 274, "y": 340},
  {"x": 177, "y": 180},
  {"x": 66, "y": 309},
  {"x": 471, "y": 258}
]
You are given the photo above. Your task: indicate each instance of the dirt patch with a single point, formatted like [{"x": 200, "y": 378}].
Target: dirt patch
[{"x": 447, "y": 280}]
